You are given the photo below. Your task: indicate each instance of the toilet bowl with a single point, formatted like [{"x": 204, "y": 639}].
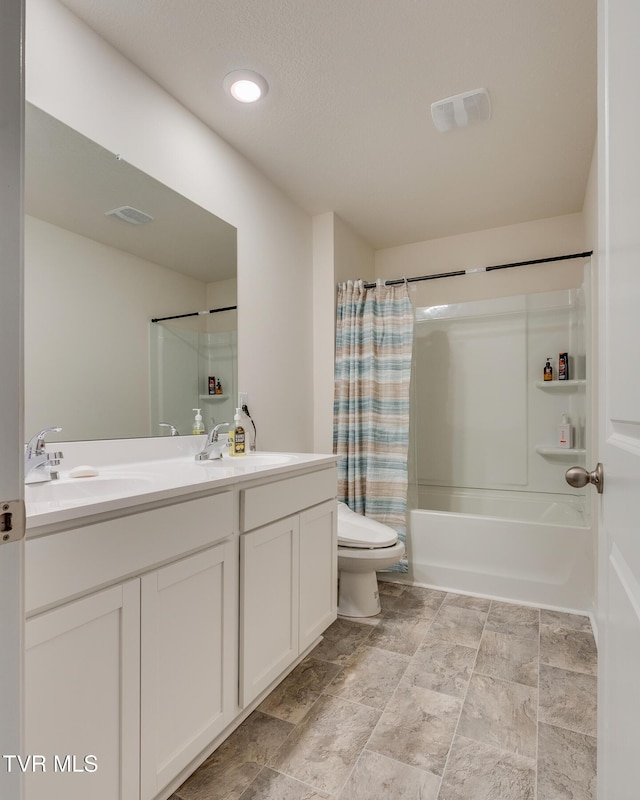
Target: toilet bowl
[{"x": 364, "y": 547}]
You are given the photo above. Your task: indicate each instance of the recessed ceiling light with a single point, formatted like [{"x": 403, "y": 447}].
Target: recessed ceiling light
[{"x": 245, "y": 86}]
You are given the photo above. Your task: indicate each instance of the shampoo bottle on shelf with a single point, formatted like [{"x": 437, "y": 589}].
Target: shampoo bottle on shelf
[
  {"x": 548, "y": 370},
  {"x": 237, "y": 437},
  {"x": 565, "y": 438},
  {"x": 198, "y": 424}
]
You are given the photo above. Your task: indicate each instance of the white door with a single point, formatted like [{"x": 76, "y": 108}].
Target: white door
[
  {"x": 619, "y": 550},
  {"x": 11, "y": 435}
]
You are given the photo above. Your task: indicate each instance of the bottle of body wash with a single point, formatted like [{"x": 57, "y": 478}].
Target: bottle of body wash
[
  {"x": 548, "y": 370},
  {"x": 565, "y": 437}
]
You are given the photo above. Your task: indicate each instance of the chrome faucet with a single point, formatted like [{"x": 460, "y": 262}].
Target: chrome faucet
[
  {"x": 37, "y": 462},
  {"x": 173, "y": 431},
  {"x": 214, "y": 445}
]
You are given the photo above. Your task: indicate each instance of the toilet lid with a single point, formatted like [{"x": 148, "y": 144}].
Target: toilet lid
[{"x": 355, "y": 530}]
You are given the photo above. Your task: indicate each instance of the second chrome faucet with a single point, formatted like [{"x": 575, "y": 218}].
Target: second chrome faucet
[{"x": 215, "y": 444}]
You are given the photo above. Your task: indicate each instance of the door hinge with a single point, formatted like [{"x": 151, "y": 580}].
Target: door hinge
[{"x": 12, "y": 521}]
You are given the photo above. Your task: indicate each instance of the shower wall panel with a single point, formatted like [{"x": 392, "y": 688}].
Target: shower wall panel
[
  {"x": 471, "y": 384},
  {"x": 479, "y": 419}
]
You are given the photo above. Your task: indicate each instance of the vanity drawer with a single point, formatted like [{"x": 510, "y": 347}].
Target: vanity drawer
[
  {"x": 71, "y": 563},
  {"x": 260, "y": 505}
]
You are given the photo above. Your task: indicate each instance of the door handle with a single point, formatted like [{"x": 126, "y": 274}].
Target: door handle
[{"x": 579, "y": 477}]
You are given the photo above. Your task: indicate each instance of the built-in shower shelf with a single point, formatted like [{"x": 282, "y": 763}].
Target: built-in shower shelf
[
  {"x": 569, "y": 452},
  {"x": 560, "y": 385},
  {"x": 213, "y": 396}
]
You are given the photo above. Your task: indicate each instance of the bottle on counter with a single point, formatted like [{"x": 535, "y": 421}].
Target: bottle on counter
[{"x": 237, "y": 437}]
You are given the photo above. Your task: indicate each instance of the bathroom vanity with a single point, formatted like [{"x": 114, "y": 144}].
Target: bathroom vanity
[{"x": 158, "y": 617}]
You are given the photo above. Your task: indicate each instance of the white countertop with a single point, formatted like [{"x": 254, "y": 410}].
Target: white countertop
[{"x": 127, "y": 480}]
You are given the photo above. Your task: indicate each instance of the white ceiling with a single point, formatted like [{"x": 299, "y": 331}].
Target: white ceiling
[{"x": 346, "y": 124}]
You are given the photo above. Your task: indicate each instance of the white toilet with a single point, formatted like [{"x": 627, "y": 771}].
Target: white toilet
[{"x": 364, "y": 546}]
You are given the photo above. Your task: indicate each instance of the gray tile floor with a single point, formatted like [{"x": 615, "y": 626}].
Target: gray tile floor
[{"x": 441, "y": 697}]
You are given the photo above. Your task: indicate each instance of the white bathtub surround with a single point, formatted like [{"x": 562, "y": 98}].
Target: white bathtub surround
[
  {"x": 374, "y": 339},
  {"x": 481, "y": 413},
  {"x": 493, "y": 514}
]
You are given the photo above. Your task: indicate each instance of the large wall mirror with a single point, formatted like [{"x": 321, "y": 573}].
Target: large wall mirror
[{"x": 95, "y": 363}]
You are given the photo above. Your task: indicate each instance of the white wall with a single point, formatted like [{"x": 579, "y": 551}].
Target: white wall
[
  {"x": 78, "y": 78},
  {"x": 353, "y": 257},
  {"x": 508, "y": 244},
  {"x": 87, "y": 314}
]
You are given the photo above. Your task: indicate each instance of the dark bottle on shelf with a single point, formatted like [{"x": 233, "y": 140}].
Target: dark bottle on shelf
[{"x": 563, "y": 367}]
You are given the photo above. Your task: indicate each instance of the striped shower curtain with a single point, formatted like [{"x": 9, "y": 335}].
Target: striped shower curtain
[{"x": 374, "y": 338}]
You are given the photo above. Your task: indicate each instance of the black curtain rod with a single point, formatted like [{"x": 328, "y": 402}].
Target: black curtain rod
[
  {"x": 482, "y": 269},
  {"x": 195, "y": 313}
]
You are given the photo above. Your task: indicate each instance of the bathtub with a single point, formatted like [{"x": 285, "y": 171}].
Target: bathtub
[{"x": 505, "y": 545}]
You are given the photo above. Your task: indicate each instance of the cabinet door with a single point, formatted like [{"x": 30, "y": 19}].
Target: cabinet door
[
  {"x": 318, "y": 571},
  {"x": 187, "y": 661},
  {"x": 82, "y": 675},
  {"x": 268, "y": 604}
]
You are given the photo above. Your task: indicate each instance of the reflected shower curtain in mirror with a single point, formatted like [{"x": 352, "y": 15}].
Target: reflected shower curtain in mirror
[{"x": 374, "y": 338}]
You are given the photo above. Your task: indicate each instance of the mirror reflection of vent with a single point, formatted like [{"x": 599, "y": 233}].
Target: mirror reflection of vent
[
  {"x": 461, "y": 110},
  {"x": 130, "y": 215}
]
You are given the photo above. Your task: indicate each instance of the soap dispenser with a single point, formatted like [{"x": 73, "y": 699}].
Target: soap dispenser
[
  {"x": 237, "y": 437},
  {"x": 198, "y": 424},
  {"x": 565, "y": 433}
]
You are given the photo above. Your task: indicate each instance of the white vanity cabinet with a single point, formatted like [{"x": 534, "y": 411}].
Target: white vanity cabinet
[
  {"x": 142, "y": 674},
  {"x": 188, "y": 694},
  {"x": 288, "y": 574},
  {"x": 82, "y": 705},
  {"x": 151, "y": 629}
]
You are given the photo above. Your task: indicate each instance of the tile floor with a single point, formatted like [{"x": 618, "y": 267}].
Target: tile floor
[{"x": 441, "y": 697}]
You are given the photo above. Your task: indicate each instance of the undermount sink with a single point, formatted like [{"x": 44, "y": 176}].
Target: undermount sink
[{"x": 78, "y": 490}]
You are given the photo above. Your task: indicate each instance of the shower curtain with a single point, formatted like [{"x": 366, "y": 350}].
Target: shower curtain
[{"x": 374, "y": 338}]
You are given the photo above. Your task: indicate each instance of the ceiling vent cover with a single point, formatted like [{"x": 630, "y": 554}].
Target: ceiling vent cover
[
  {"x": 461, "y": 110},
  {"x": 129, "y": 214}
]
